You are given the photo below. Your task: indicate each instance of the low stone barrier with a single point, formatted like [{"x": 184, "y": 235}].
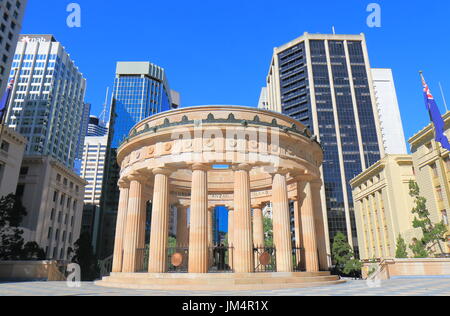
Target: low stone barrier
[
  {"x": 391, "y": 268},
  {"x": 30, "y": 271}
]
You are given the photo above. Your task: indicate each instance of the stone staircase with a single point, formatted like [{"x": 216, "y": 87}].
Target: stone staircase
[{"x": 218, "y": 281}]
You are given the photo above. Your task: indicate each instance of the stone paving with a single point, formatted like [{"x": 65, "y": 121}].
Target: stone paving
[{"x": 396, "y": 287}]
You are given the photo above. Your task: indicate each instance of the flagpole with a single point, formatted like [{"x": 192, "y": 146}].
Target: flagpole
[
  {"x": 443, "y": 97},
  {"x": 440, "y": 159}
]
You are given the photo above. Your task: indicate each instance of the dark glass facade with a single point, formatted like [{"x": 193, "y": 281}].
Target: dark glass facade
[
  {"x": 296, "y": 97},
  {"x": 135, "y": 98}
]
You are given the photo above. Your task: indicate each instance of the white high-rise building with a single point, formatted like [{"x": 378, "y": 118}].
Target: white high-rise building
[
  {"x": 47, "y": 101},
  {"x": 11, "y": 16},
  {"x": 263, "y": 104},
  {"x": 92, "y": 167},
  {"x": 389, "y": 112}
]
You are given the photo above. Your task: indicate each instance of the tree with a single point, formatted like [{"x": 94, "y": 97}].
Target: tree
[
  {"x": 12, "y": 244},
  {"x": 172, "y": 242},
  {"x": 268, "y": 232},
  {"x": 401, "y": 251},
  {"x": 432, "y": 234},
  {"x": 344, "y": 257},
  {"x": 85, "y": 258}
]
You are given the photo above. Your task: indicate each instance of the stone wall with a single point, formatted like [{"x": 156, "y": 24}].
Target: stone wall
[
  {"x": 392, "y": 268},
  {"x": 30, "y": 271}
]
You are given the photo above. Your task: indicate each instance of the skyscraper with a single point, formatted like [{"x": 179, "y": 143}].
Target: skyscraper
[
  {"x": 389, "y": 112},
  {"x": 96, "y": 127},
  {"x": 140, "y": 90},
  {"x": 10, "y": 27},
  {"x": 92, "y": 171},
  {"x": 325, "y": 82},
  {"x": 83, "y": 129},
  {"x": 47, "y": 101}
]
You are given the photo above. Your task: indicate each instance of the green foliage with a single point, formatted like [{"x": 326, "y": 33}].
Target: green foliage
[
  {"x": 172, "y": 242},
  {"x": 401, "y": 251},
  {"x": 12, "y": 244},
  {"x": 268, "y": 232},
  {"x": 344, "y": 257},
  {"x": 432, "y": 234},
  {"x": 85, "y": 258}
]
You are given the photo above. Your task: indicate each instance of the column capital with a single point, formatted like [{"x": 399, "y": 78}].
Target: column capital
[
  {"x": 258, "y": 206},
  {"x": 200, "y": 166},
  {"x": 317, "y": 183},
  {"x": 304, "y": 178},
  {"x": 242, "y": 167},
  {"x": 162, "y": 170},
  {"x": 137, "y": 176},
  {"x": 123, "y": 183},
  {"x": 279, "y": 171}
]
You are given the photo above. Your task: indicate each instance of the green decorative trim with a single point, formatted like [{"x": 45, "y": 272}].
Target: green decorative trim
[{"x": 230, "y": 120}]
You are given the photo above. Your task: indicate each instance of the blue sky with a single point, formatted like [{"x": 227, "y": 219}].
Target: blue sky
[{"x": 218, "y": 52}]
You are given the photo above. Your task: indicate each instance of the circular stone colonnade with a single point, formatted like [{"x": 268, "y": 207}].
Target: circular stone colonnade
[{"x": 202, "y": 157}]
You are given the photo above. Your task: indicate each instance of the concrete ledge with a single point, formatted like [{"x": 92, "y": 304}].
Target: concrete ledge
[
  {"x": 391, "y": 268},
  {"x": 30, "y": 271},
  {"x": 218, "y": 281}
]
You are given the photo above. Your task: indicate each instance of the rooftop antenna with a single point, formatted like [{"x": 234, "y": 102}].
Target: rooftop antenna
[
  {"x": 104, "y": 112},
  {"x": 334, "y": 30},
  {"x": 443, "y": 97}
]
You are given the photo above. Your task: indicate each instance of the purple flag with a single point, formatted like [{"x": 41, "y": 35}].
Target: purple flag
[{"x": 435, "y": 116}]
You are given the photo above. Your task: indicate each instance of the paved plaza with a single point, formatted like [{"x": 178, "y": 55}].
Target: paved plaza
[{"x": 397, "y": 287}]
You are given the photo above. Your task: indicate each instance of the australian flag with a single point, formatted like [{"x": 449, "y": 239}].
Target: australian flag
[
  {"x": 435, "y": 116},
  {"x": 5, "y": 100}
]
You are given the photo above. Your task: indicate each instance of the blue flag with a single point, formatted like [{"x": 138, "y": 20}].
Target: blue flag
[
  {"x": 4, "y": 101},
  {"x": 435, "y": 116}
]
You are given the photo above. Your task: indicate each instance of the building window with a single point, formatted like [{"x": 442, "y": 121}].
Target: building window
[
  {"x": 55, "y": 196},
  {"x": 445, "y": 217},
  {"x": 434, "y": 170},
  {"x": 5, "y": 146},
  {"x": 439, "y": 194},
  {"x": 24, "y": 171}
]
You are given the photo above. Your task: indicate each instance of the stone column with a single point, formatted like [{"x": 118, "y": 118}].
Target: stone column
[
  {"x": 230, "y": 236},
  {"x": 299, "y": 254},
  {"x": 258, "y": 226},
  {"x": 198, "y": 235},
  {"x": 211, "y": 235},
  {"x": 136, "y": 205},
  {"x": 182, "y": 227},
  {"x": 281, "y": 223},
  {"x": 319, "y": 225},
  {"x": 309, "y": 230},
  {"x": 160, "y": 222},
  {"x": 243, "y": 235},
  {"x": 120, "y": 226},
  {"x": 210, "y": 227}
]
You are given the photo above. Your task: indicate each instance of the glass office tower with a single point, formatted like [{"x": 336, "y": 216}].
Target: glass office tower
[
  {"x": 47, "y": 102},
  {"x": 324, "y": 81},
  {"x": 140, "y": 90}
]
